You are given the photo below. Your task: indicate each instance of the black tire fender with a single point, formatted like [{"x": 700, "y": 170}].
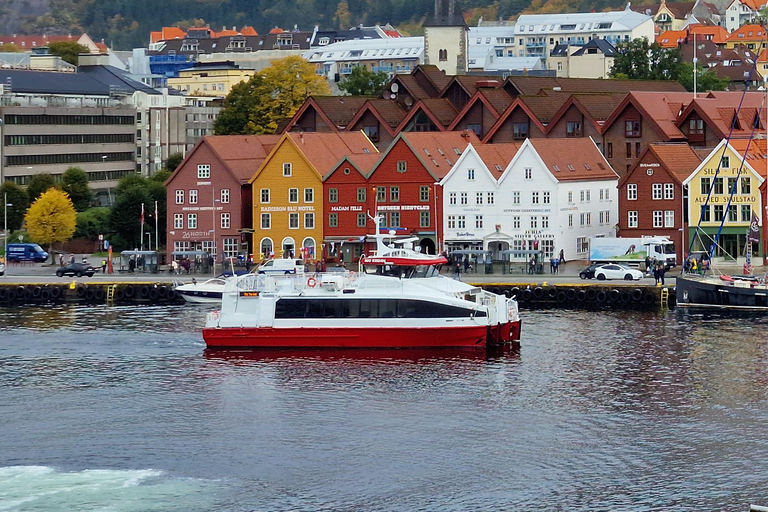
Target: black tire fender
[
  {"x": 614, "y": 295},
  {"x": 81, "y": 290},
  {"x": 144, "y": 292},
  {"x": 153, "y": 294},
  {"x": 526, "y": 294},
  {"x": 561, "y": 297},
  {"x": 571, "y": 294},
  {"x": 100, "y": 294},
  {"x": 591, "y": 294},
  {"x": 129, "y": 292},
  {"x": 538, "y": 292},
  {"x": 649, "y": 298},
  {"x": 37, "y": 291},
  {"x": 581, "y": 295},
  {"x": 55, "y": 292},
  {"x": 637, "y": 294},
  {"x": 601, "y": 296},
  {"x": 119, "y": 294},
  {"x": 552, "y": 292}
]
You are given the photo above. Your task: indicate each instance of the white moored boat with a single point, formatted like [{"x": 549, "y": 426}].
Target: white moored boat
[
  {"x": 208, "y": 291},
  {"x": 397, "y": 300}
]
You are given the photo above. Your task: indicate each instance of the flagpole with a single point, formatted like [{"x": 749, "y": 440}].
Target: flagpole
[
  {"x": 156, "y": 231},
  {"x": 142, "y": 227}
]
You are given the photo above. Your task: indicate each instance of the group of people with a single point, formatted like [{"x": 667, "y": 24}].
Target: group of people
[{"x": 694, "y": 266}]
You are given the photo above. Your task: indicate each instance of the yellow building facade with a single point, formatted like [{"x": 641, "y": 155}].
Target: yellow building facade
[
  {"x": 210, "y": 79},
  {"x": 287, "y": 204},
  {"x": 724, "y": 190}
]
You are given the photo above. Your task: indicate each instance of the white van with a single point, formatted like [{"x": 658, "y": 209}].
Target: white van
[{"x": 282, "y": 266}]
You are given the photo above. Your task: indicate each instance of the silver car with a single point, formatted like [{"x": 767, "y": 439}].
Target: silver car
[{"x": 617, "y": 271}]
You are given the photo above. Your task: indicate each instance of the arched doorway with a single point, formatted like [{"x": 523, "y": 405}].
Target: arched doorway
[
  {"x": 288, "y": 247},
  {"x": 496, "y": 247},
  {"x": 427, "y": 246},
  {"x": 308, "y": 248},
  {"x": 266, "y": 248}
]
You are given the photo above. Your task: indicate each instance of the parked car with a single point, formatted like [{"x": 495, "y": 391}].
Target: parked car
[
  {"x": 77, "y": 269},
  {"x": 589, "y": 272},
  {"x": 282, "y": 266},
  {"x": 2, "y": 269},
  {"x": 616, "y": 271}
]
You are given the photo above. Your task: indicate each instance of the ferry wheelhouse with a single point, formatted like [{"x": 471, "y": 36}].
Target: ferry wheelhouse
[{"x": 397, "y": 299}]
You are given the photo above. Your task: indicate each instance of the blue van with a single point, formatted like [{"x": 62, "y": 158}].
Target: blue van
[{"x": 25, "y": 252}]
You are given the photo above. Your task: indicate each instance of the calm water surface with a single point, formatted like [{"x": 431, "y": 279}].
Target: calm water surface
[{"x": 121, "y": 409}]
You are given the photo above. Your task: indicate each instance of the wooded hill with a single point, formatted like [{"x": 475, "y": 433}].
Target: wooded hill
[{"x": 126, "y": 24}]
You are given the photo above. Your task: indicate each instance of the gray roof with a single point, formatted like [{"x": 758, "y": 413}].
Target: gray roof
[
  {"x": 112, "y": 77},
  {"x": 601, "y": 44},
  {"x": 222, "y": 44}
]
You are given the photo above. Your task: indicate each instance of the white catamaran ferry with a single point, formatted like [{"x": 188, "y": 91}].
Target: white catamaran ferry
[{"x": 398, "y": 299}]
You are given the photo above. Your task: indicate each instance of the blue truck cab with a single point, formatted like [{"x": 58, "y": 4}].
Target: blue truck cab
[{"x": 25, "y": 252}]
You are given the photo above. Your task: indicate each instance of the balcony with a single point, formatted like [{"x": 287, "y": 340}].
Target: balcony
[{"x": 386, "y": 69}]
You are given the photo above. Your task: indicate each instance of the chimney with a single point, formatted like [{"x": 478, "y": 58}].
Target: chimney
[
  {"x": 465, "y": 135},
  {"x": 301, "y": 137}
]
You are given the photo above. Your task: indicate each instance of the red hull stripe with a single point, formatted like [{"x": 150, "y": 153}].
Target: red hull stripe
[{"x": 352, "y": 337}]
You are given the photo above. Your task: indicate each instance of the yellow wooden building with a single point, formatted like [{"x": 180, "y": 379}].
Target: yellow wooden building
[
  {"x": 725, "y": 191},
  {"x": 288, "y": 195}
]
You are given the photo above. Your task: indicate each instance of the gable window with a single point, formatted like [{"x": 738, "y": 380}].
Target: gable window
[
  {"x": 287, "y": 169},
  {"x": 452, "y": 198},
  {"x": 470, "y": 174},
  {"x": 632, "y": 219},
  {"x": 224, "y": 195},
  {"x": 424, "y": 193},
  {"x": 193, "y": 197},
  {"x": 381, "y": 193},
  {"x": 696, "y": 133},
  {"x": 333, "y": 195},
  {"x": 573, "y": 129},
  {"x": 632, "y": 191},
  {"x": 519, "y": 130},
  {"x": 656, "y": 192},
  {"x": 725, "y": 162},
  {"x": 394, "y": 194},
  {"x": 443, "y": 55},
  {"x": 402, "y": 166},
  {"x": 528, "y": 173},
  {"x": 203, "y": 171},
  {"x": 632, "y": 128},
  {"x": 669, "y": 191},
  {"x": 372, "y": 132},
  {"x": 179, "y": 197}
]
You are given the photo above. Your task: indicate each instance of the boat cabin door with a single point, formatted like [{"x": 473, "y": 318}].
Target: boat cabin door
[{"x": 266, "y": 311}]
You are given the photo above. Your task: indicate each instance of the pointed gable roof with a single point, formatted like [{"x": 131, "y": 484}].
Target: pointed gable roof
[
  {"x": 496, "y": 157},
  {"x": 519, "y": 103},
  {"x": 719, "y": 108},
  {"x": 659, "y": 108},
  {"x": 679, "y": 159},
  {"x": 573, "y": 159},
  {"x": 389, "y": 113},
  {"x": 363, "y": 164},
  {"x": 596, "y": 108},
  {"x": 241, "y": 155},
  {"x": 440, "y": 111},
  {"x": 495, "y": 100},
  {"x": 437, "y": 151},
  {"x": 336, "y": 111},
  {"x": 756, "y": 153},
  {"x": 751, "y": 33}
]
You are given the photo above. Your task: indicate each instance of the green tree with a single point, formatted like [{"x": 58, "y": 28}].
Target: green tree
[
  {"x": 67, "y": 50},
  {"x": 173, "y": 161},
  {"x": 39, "y": 184},
  {"x": 74, "y": 182},
  {"x": 17, "y": 197},
  {"x": 125, "y": 219},
  {"x": 256, "y": 106},
  {"x": 706, "y": 80},
  {"x": 93, "y": 222},
  {"x": 160, "y": 176},
  {"x": 361, "y": 82},
  {"x": 51, "y": 219},
  {"x": 632, "y": 60}
]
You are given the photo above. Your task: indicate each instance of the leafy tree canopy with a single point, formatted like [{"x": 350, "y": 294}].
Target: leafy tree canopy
[
  {"x": 706, "y": 80},
  {"x": 173, "y": 161},
  {"x": 9, "y": 48},
  {"x": 362, "y": 82},
  {"x": 639, "y": 60},
  {"x": 256, "y": 106},
  {"x": 17, "y": 197},
  {"x": 125, "y": 220},
  {"x": 39, "y": 184},
  {"x": 74, "y": 182},
  {"x": 67, "y": 50},
  {"x": 52, "y": 218},
  {"x": 93, "y": 222}
]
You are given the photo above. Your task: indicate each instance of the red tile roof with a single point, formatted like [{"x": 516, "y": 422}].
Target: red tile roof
[
  {"x": 756, "y": 153},
  {"x": 746, "y": 33},
  {"x": 325, "y": 150},
  {"x": 671, "y": 38},
  {"x": 496, "y": 157},
  {"x": 438, "y": 151},
  {"x": 35, "y": 41},
  {"x": 679, "y": 159},
  {"x": 573, "y": 159},
  {"x": 243, "y": 154}
]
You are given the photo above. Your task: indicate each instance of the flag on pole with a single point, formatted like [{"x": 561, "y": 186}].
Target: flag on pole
[
  {"x": 754, "y": 230},
  {"x": 142, "y": 214}
]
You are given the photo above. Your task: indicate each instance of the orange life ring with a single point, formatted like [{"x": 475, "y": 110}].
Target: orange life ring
[{"x": 311, "y": 282}]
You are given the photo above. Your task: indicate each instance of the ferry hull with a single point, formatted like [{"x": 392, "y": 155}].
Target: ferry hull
[
  {"x": 723, "y": 294},
  {"x": 356, "y": 337}
]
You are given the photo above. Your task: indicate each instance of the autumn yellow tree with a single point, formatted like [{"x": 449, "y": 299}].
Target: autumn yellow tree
[
  {"x": 256, "y": 106},
  {"x": 52, "y": 218}
]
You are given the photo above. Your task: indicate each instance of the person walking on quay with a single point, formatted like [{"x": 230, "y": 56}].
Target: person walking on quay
[
  {"x": 656, "y": 274},
  {"x": 457, "y": 270},
  {"x": 103, "y": 266},
  {"x": 662, "y": 271},
  {"x": 562, "y": 256},
  {"x": 557, "y": 265},
  {"x": 552, "y": 266}
]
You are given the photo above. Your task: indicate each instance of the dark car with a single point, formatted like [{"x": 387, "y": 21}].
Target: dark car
[
  {"x": 76, "y": 269},
  {"x": 589, "y": 272}
]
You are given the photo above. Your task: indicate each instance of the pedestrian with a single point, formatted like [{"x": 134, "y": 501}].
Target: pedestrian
[
  {"x": 247, "y": 263},
  {"x": 103, "y": 266},
  {"x": 648, "y": 264},
  {"x": 552, "y": 265},
  {"x": 531, "y": 265},
  {"x": 656, "y": 274},
  {"x": 562, "y": 257},
  {"x": 174, "y": 267},
  {"x": 61, "y": 260},
  {"x": 466, "y": 264},
  {"x": 72, "y": 259},
  {"x": 662, "y": 271},
  {"x": 457, "y": 271},
  {"x": 557, "y": 265}
]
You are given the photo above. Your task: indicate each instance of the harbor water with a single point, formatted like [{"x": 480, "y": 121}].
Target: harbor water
[{"x": 121, "y": 409}]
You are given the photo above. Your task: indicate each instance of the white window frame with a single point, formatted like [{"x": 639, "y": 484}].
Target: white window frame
[
  {"x": 226, "y": 220},
  {"x": 632, "y": 219},
  {"x": 224, "y": 195},
  {"x": 287, "y": 170},
  {"x": 631, "y": 191},
  {"x": 191, "y": 221},
  {"x": 293, "y": 220},
  {"x": 658, "y": 218},
  {"x": 203, "y": 171},
  {"x": 669, "y": 218},
  {"x": 669, "y": 191},
  {"x": 193, "y": 197},
  {"x": 178, "y": 221},
  {"x": 657, "y": 191},
  {"x": 179, "y": 197},
  {"x": 309, "y": 220},
  {"x": 309, "y": 195},
  {"x": 266, "y": 221}
]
